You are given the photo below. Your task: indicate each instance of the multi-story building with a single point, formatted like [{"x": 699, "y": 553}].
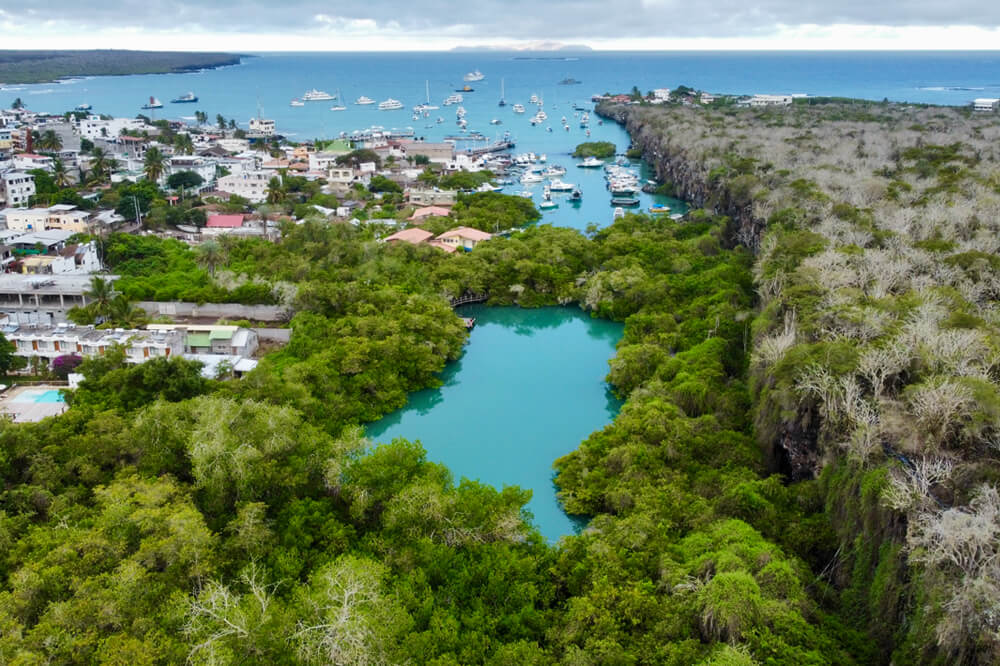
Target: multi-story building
[
  {"x": 261, "y": 127},
  {"x": 16, "y": 188},
  {"x": 95, "y": 127},
  {"x": 251, "y": 185},
  {"x": 194, "y": 163},
  {"x": 214, "y": 339},
  {"x": 64, "y": 217},
  {"x": 35, "y": 299},
  {"x": 51, "y": 342}
]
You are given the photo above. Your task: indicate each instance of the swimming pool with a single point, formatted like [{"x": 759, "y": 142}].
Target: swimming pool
[{"x": 38, "y": 396}]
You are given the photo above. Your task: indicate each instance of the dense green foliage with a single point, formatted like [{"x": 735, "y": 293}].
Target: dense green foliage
[
  {"x": 45, "y": 66},
  {"x": 166, "y": 518},
  {"x": 600, "y": 149}
]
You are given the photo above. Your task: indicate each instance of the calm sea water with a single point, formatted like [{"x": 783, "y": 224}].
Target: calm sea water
[
  {"x": 529, "y": 387},
  {"x": 269, "y": 82}
]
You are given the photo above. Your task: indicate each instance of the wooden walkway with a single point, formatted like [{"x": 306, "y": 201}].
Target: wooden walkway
[{"x": 469, "y": 298}]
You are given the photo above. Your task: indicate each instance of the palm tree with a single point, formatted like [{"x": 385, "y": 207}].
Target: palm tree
[
  {"x": 122, "y": 313},
  {"x": 210, "y": 255},
  {"x": 98, "y": 164},
  {"x": 184, "y": 144},
  {"x": 153, "y": 164},
  {"x": 59, "y": 174},
  {"x": 275, "y": 191},
  {"x": 100, "y": 295},
  {"x": 50, "y": 141}
]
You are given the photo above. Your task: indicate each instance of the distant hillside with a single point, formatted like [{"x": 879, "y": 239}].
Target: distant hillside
[{"x": 45, "y": 66}]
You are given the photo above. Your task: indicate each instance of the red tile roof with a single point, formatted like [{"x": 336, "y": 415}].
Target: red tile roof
[{"x": 225, "y": 221}]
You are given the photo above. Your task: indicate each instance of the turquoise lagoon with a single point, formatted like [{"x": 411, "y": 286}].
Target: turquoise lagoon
[{"x": 528, "y": 389}]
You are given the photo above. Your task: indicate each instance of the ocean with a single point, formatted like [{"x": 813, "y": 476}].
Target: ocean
[{"x": 266, "y": 84}]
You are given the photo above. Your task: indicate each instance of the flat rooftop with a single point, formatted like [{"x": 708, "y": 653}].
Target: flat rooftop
[{"x": 67, "y": 285}]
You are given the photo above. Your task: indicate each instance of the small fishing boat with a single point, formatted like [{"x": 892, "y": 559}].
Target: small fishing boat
[
  {"x": 659, "y": 209},
  {"x": 465, "y": 89},
  {"x": 625, "y": 201},
  {"x": 186, "y": 98},
  {"x": 518, "y": 108}
]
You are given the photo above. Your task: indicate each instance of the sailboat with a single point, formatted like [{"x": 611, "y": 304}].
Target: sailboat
[
  {"x": 339, "y": 106},
  {"x": 502, "y": 101},
  {"x": 426, "y": 106}
]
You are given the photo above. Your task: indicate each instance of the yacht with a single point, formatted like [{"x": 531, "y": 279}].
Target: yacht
[
  {"x": 591, "y": 163},
  {"x": 338, "y": 106},
  {"x": 186, "y": 98},
  {"x": 460, "y": 112},
  {"x": 317, "y": 96},
  {"x": 364, "y": 101},
  {"x": 474, "y": 76},
  {"x": 296, "y": 102},
  {"x": 153, "y": 103},
  {"x": 531, "y": 177},
  {"x": 559, "y": 186},
  {"x": 577, "y": 195},
  {"x": 453, "y": 99},
  {"x": 83, "y": 107},
  {"x": 518, "y": 108},
  {"x": 541, "y": 115},
  {"x": 426, "y": 106},
  {"x": 554, "y": 171},
  {"x": 390, "y": 105},
  {"x": 533, "y": 99}
]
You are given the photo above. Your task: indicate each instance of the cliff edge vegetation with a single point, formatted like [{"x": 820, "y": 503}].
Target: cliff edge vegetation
[
  {"x": 875, "y": 352},
  {"x": 46, "y": 66}
]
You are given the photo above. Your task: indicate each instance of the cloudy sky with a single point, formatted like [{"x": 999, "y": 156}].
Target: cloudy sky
[{"x": 299, "y": 25}]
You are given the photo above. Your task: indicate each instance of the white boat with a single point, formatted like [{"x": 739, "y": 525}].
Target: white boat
[
  {"x": 619, "y": 213},
  {"x": 554, "y": 171},
  {"x": 524, "y": 193},
  {"x": 518, "y": 108},
  {"x": 502, "y": 102},
  {"x": 426, "y": 106},
  {"x": 453, "y": 99},
  {"x": 590, "y": 163},
  {"x": 296, "y": 102},
  {"x": 541, "y": 115},
  {"x": 533, "y": 99},
  {"x": 317, "y": 96},
  {"x": 543, "y": 158},
  {"x": 153, "y": 103},
  {"x": 83, "y": 107},
  {"x": 495, "y": 121},
  {"x": 339, "y": 106},
  {"x": 390, "y": 105},
  {"x": 560, "y": 186},
  {"x": 531, "y": 177},
  {"x": 364, "y": 101},
  {"x": 460, "y": 112},
  {"x": 548, "y": 204},
  {"x": 474, "y": 76}
]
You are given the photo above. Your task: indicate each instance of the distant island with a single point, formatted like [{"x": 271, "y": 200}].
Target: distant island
[
  {"x": 530, "y": 47},
  {"x": 47, "y": 66}
]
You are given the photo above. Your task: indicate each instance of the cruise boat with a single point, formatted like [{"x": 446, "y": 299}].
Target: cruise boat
[
  {"x": 153, "y": 103},
  {"x": 364, "y": 101},
  {"x": 390, "y": 105},
  {"x": 186, "y": 98},
  {"x": 474, "y": 76},
  {"x": 560, "y": 186},
  {"x": 591, "y": 163},
  {"x": 317, "y": 96},
  {"x": 296, "y": 102},
  {"x": 518, "y": 108}
]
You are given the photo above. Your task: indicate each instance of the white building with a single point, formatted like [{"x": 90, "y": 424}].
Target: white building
[
  {"x": 194, "y": 163},
  {"x": 26, "y": 161},
  {"x": 35, "y": 299},
  {"x": 771, "y": 100},
  {"x": 16, "y": 187},
  {"x": 94, "y": 127},
  {"x": 661, "y": 95},
  {"x": 51, "y": 342},
  {"x": 261, "y": 126},
  {"x": 323, "y": 161},
  {"x": 251, "y": 185},
  {"x": 707, "y": 98},
  {"x": 986, "y": 104}
]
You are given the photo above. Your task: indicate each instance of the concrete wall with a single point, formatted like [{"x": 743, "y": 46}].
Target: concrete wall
[
  {"x": 282, "y": 335},
  {"x": 216, "y": 310}
]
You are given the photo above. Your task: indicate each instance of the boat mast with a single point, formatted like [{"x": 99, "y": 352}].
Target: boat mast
[{"x": 427, "y": 89}]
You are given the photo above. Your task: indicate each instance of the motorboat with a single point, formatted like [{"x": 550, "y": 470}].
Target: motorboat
[
  {"x": 625, "y": 201},
  {"x": 474, "y": 76},
  {"x": 569, "y": 82},
  {"x": 296, "y": 102},
  {"x": 83, "y": 107},
  {"x": 153, "y": 103},
  {"x": 496, "y": 121},
  {"x": 390, "y": 105},
  {"x": 548, "y": 204},
  {"x": 560, "y": 186},
  {"x": 531, "y": 177},
  {"x": 517, "y": 108},
  {"x": 533, "y": 99},
  {"x": 317, "y": 96},
  {"x": 543, "y": 158},
  {"x": 453, "y": 99},
  {"x": 364, "y": 101},
  {"x": 338, "y": 107},
  {"x": 460, "y": 112},
  {"x": 465, "y": 89},
  {"x": 619, "y": 214},
  {"x": 186, "y": 98},
  {"x": 659, "y": 209},
  {"x": 554, "y": 171},
  {"x": 577, "y": 195},
  {"x": 590, "y": 163}
]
